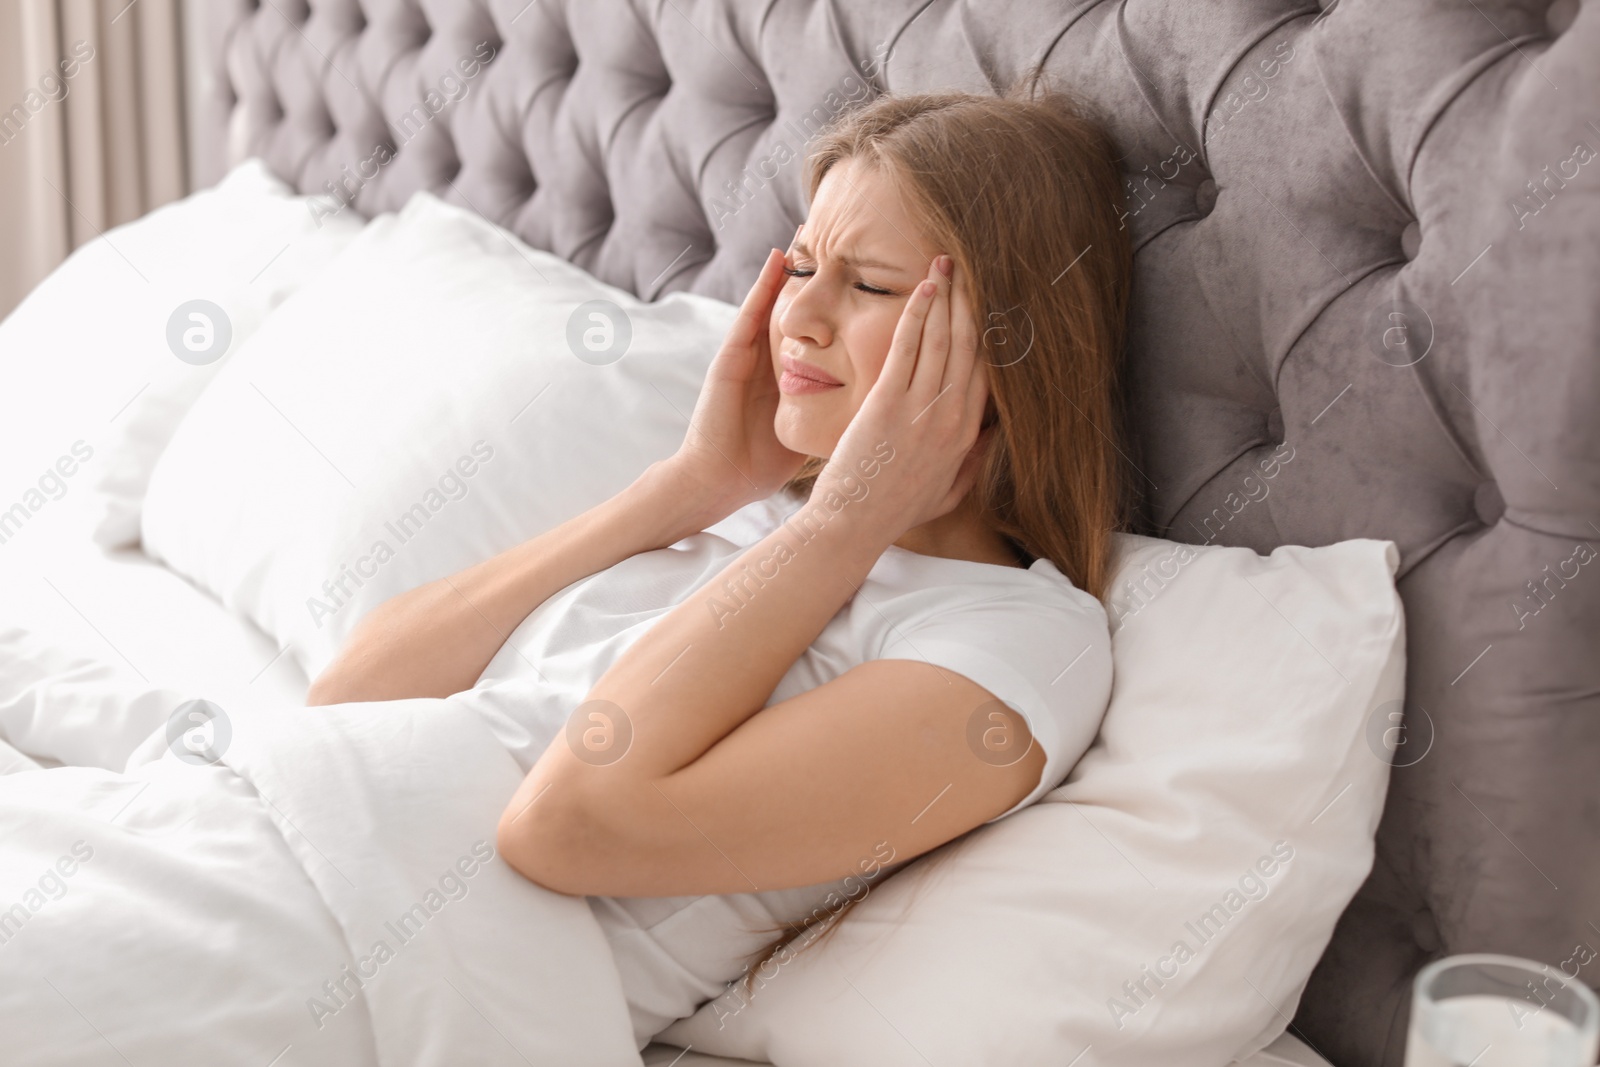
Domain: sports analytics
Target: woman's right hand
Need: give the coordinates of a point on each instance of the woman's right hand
(730, 454)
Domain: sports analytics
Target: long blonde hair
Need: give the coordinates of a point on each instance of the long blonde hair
(1023, 191)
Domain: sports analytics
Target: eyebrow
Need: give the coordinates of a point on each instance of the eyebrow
(801, 248)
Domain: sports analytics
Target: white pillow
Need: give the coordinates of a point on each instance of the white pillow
(86, 356)
(1232, 778)
(420, 408)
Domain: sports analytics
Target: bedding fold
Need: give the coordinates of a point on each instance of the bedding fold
(391, 809)
(315, 879)
(59, 707)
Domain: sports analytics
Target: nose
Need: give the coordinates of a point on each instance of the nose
(806, 315)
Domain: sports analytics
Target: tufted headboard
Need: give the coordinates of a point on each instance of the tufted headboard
(1368, 256)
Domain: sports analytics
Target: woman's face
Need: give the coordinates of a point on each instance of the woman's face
(851, 271)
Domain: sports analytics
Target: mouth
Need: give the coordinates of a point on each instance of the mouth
(800, 378)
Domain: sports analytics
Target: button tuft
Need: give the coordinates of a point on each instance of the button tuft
(1411, 240)
(1488, 503)
(1560, 16)
(1275, 426)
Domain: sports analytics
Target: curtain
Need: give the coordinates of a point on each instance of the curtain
(92, 132)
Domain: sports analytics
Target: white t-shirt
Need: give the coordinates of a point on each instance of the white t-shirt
(1028, 636)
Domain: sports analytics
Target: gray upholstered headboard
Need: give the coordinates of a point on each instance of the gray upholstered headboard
(1369, 231)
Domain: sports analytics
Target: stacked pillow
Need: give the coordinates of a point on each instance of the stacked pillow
(440, 394)
(103, 358)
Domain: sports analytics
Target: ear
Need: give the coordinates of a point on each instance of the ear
(986, 434)
(991, 417)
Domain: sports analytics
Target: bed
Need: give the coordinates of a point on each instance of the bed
(1356, 229)
(155, 619)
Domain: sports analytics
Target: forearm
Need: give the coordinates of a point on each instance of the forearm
(715, 659)
(437, 639)
(685, 685)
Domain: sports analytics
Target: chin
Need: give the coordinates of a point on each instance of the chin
(798, 431)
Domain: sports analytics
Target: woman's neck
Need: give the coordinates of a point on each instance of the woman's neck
(961, 534)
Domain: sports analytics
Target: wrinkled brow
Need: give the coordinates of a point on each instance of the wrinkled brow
(803, 249)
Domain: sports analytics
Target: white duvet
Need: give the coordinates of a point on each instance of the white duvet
(325, 893)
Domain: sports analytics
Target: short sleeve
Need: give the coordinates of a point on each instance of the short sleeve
(1045, 653)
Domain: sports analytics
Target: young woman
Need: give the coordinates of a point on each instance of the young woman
(904, 646)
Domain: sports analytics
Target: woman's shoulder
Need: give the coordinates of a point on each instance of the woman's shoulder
(1061, 591)
(918, 582)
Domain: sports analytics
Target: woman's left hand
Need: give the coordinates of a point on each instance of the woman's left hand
(915, 441)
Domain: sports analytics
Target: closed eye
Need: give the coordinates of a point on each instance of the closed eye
(796, 272)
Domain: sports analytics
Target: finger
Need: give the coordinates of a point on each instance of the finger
(751, 322)
(977, 385)
(977, 398)
(902, 358)
(963, 335)
(926, 379)
(965, 374)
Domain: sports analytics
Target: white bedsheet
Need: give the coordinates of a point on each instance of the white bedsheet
(160, 917)
(332, 863)
(137, 619)
(329, 887)
(336, 859)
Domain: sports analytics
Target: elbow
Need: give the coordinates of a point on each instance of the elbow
(364, 680)
(543, 842)
(329, 688)
(355, 674)
(322, 693)
(352, 677)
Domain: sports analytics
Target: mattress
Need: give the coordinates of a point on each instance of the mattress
(155, 627)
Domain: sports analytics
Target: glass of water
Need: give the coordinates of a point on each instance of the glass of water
(1500, 1011)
